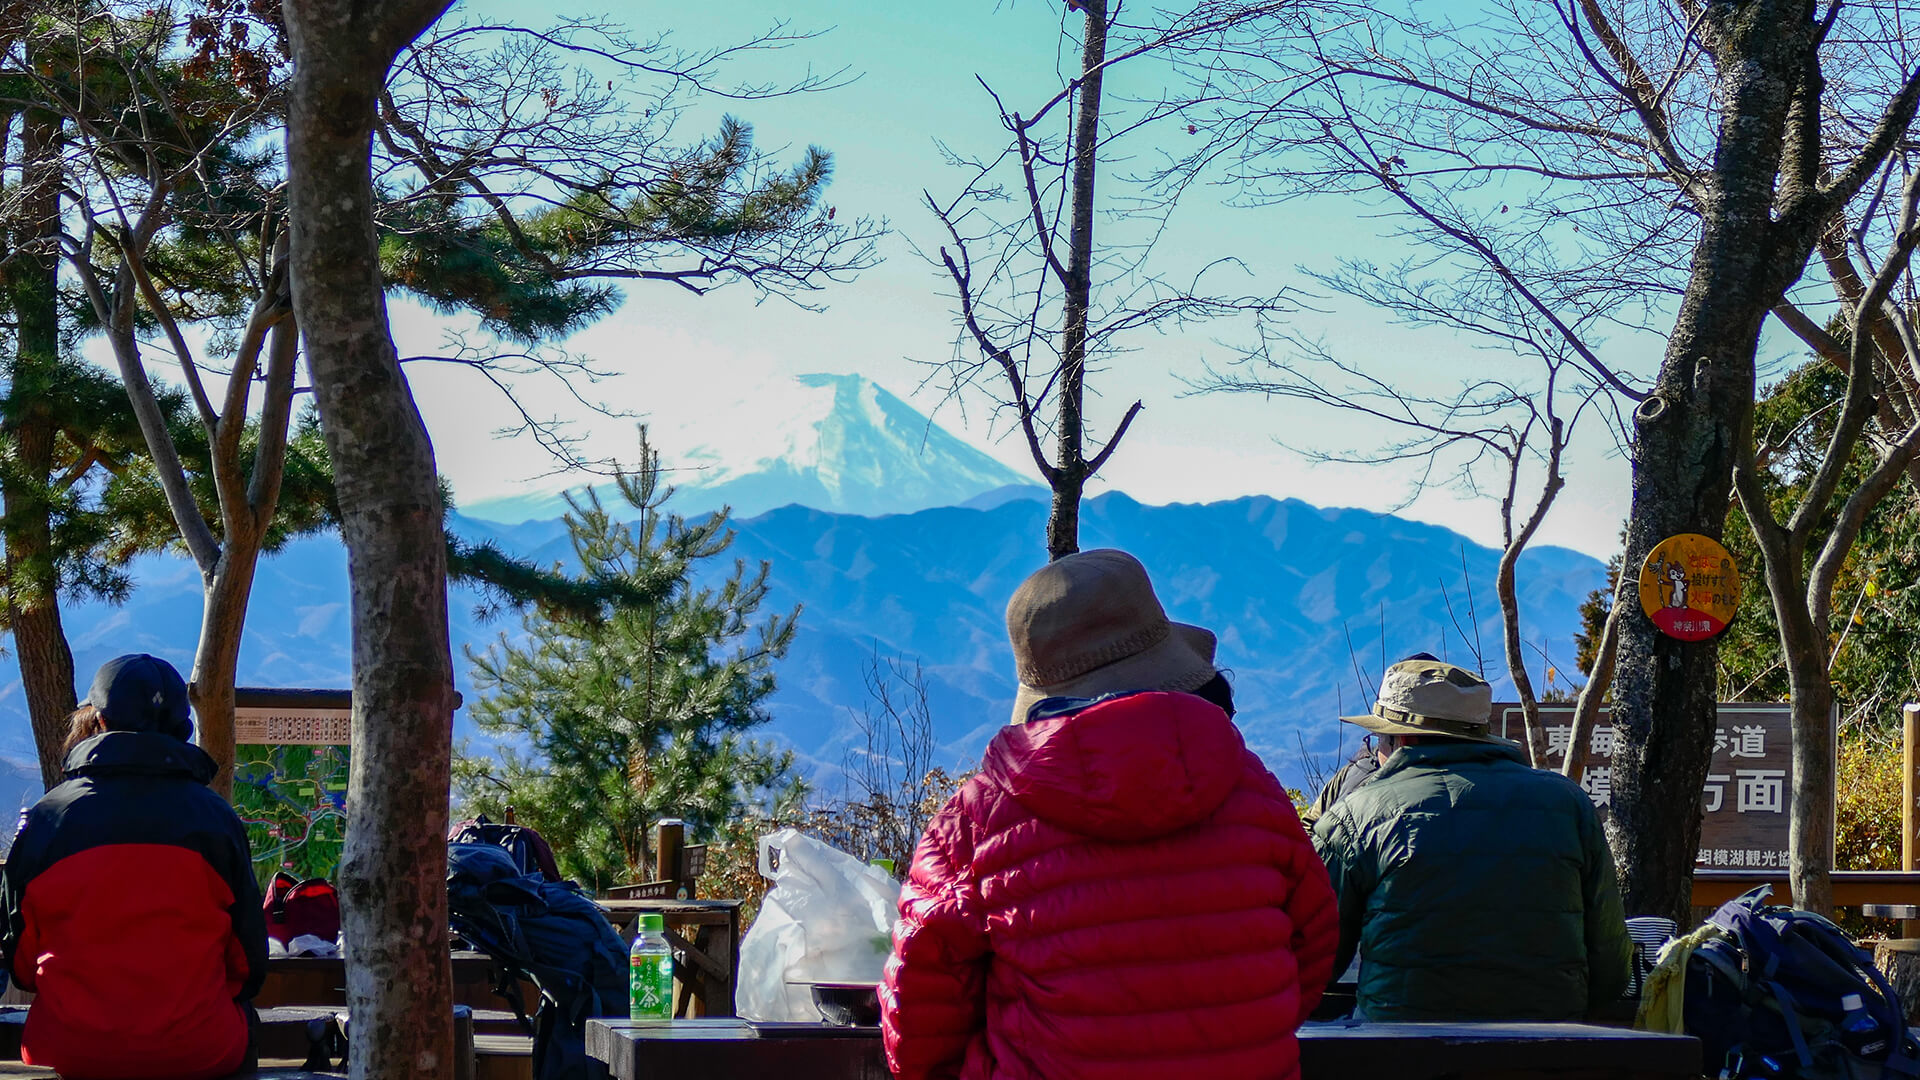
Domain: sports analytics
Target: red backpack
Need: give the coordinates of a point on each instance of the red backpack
(527, 848)
(296, 907)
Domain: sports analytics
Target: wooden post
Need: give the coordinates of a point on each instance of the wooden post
(669, 847)
(1910, 802)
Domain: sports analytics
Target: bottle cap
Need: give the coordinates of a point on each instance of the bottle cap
(653, 924)
(1850, 1001)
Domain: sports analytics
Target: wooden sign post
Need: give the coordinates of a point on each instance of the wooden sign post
(1910, 803)
(1746, 803)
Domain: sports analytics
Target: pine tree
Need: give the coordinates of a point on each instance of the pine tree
(605, 725)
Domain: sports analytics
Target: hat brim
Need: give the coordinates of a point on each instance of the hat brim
(1380, 725)
(1183, 660)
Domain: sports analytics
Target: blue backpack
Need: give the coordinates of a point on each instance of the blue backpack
(1787, 994)
(550, 933)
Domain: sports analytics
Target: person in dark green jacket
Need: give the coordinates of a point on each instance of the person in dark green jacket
(1473, 886)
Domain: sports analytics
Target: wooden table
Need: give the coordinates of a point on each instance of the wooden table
(322, 980)
(705, 936)
(1851, 888)
(737, 1050)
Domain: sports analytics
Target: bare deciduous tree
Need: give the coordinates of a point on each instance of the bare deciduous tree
(1042, 303)
(1665, 163)
(1803, 598)
(894, 787)
(1518, 427)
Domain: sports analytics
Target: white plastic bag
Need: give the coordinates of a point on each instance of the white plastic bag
(828, 918)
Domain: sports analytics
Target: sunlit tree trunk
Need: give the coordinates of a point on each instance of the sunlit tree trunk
(393, 869)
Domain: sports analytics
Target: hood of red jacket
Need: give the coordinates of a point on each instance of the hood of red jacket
(1124, 767)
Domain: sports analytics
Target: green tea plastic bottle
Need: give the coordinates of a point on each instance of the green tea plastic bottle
(650, 972)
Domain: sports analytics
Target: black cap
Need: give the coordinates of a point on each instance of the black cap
(139, 692)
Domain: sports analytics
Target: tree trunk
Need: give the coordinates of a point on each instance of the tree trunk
(32, 577)
(1687, 437)
(1664, 689)
(1504, 589)
(1063, 525)
(1810, 845)
(1063, 520)
(393, 869)
(1587, 710)
(216, 661)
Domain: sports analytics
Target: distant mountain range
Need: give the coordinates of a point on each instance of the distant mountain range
(1284, 584)
(918, 543)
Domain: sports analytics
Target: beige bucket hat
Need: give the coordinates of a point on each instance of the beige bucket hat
(1432, 697)
(1089, 624)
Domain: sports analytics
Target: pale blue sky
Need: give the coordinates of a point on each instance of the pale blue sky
(916, 66)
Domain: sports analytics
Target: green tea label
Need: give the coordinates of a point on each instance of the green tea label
(650, 983)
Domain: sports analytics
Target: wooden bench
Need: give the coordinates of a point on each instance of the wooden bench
(725, 1049)
(503, 1057)
(268, 1070)
(305, 1039)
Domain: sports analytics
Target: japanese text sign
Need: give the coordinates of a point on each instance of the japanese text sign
(1689, 587)
(266, 725)
(1744, 804)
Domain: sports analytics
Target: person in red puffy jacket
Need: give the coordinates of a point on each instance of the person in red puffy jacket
(1123, 889)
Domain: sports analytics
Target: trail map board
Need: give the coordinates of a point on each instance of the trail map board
(290, 780)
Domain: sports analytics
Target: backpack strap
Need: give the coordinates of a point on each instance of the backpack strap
(506, 984)
(1790, 1014)
(1903, 1056)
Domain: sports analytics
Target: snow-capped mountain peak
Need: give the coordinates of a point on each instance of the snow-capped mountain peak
(830, 442)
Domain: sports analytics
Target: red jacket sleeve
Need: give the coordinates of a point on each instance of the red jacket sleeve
(1316, 924)
(934, 1001)
(1310, 903)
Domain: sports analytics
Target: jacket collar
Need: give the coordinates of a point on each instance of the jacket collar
(1444, 755)
(139, 753)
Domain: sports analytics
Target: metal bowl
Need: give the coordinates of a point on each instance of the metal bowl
(849, 1004)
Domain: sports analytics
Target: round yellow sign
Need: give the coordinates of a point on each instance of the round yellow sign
(1689, 587)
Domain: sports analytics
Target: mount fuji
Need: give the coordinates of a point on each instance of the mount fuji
(839, 443)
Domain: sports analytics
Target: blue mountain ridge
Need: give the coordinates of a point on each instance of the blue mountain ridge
(1283, 583)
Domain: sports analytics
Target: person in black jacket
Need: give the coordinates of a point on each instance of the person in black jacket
(132, 909)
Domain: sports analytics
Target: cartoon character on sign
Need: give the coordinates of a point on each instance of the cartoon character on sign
(1676, 585)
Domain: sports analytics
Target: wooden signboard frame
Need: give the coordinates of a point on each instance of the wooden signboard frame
(1747, 804)
(292, 750)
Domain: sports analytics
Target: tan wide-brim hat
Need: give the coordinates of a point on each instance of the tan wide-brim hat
(1090, 624)
(1432, 697)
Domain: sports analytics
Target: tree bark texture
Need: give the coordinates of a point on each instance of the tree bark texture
(393, 869)
(1687, 433)
(216, 659)
(1506, 589)
(1586, 711)
(1899, 961)
(1534, 731)
(32, 575)
(1070, 480)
